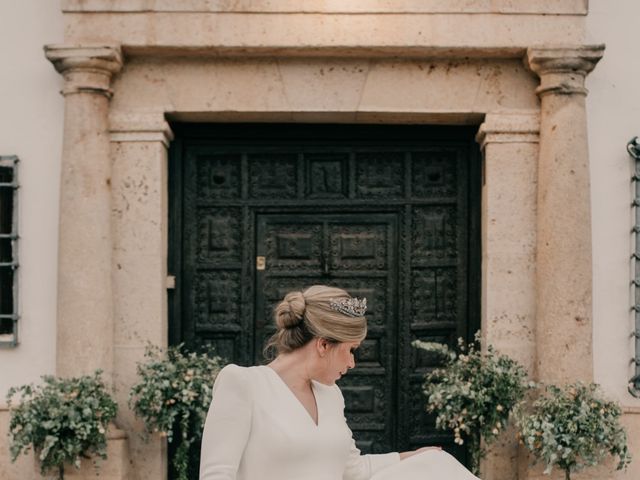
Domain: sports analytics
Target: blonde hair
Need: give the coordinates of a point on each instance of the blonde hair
(303, 316)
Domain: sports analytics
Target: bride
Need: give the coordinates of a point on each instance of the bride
(285, 420)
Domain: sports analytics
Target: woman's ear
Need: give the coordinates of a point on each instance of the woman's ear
(322, 346)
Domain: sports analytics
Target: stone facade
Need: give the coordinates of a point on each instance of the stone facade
(514, 69)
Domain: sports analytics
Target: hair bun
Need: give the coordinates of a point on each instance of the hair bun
(290, 311)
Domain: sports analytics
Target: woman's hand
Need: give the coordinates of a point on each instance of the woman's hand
(404, 455)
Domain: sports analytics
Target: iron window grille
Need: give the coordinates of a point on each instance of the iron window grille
(8, 251)
(633, 147)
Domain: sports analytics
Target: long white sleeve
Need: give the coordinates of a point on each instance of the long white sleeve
(227, 426)
(363, 467)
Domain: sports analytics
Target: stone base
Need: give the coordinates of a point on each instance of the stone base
(596, 473)
(501, 460)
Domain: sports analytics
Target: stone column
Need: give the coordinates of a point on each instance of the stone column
(85, 302)
(85, 320)
(509, 142)
(564, 272)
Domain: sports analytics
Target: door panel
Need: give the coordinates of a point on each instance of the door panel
(354, 252)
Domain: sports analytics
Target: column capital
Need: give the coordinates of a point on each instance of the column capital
(140, 127)
(509, 127)
(86, 68)
(562, 69)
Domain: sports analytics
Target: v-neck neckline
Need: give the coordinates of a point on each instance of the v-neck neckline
(297, 400)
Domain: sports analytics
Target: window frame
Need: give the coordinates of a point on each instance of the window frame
(11, 339)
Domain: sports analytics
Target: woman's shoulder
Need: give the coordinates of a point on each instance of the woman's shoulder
(234, 379)
(232, 369)
(233, 374)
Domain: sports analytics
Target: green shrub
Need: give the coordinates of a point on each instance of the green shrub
(61, 419)
(474, 393)
(573, 427)
(173, 395)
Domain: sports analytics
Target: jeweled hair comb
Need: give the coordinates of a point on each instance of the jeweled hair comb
(353, 307)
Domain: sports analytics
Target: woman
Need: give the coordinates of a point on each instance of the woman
(285, 420)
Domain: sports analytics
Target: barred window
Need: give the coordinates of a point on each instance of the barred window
(8, 250)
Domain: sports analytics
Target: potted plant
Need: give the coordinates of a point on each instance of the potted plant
(473, 394)
(573, 427)
(62, 419)
(173, 397)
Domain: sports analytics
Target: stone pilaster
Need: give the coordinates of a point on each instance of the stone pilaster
(564, 271)
(139, 142)
(509, 142)
(85, 303)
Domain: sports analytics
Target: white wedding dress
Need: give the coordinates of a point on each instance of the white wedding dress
(257, 429)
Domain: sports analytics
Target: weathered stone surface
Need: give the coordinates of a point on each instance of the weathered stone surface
(564, 270)
(86, 69)
(140, 127)
(139, 206)
(510, 144)
(294, 88)
(85, 303)
(139, 215)
(412, 35)
(562, 7)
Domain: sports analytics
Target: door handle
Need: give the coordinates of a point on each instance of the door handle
(325, 262)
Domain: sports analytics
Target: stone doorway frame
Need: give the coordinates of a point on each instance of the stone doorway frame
(113, 218)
